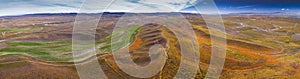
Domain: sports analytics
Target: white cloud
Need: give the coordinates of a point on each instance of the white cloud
(17, 7)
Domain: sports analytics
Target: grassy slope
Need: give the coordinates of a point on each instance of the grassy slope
(48, 51)
(20, 29)
(120, 38)
(60, 50)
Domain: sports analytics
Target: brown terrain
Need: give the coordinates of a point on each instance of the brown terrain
(244, 58)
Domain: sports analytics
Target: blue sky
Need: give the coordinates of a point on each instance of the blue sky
(256, 6)
(19, 7)
(237, 6)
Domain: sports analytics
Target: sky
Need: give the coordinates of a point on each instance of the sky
(20, 7)
(238, 6)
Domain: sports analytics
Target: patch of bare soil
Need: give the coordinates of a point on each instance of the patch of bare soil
(18, 67)
(2, 45)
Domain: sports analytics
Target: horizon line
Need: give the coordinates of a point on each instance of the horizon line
(135, 12)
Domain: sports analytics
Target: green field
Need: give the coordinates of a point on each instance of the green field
(62, 50)
(20, 29)
(120, 39)
(48, 51)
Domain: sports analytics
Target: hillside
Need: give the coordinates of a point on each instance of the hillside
(258, 46)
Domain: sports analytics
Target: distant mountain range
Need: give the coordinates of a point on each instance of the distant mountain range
(271, 13)
(74, 14)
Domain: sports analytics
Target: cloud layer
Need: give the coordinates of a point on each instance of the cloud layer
(19, 7)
